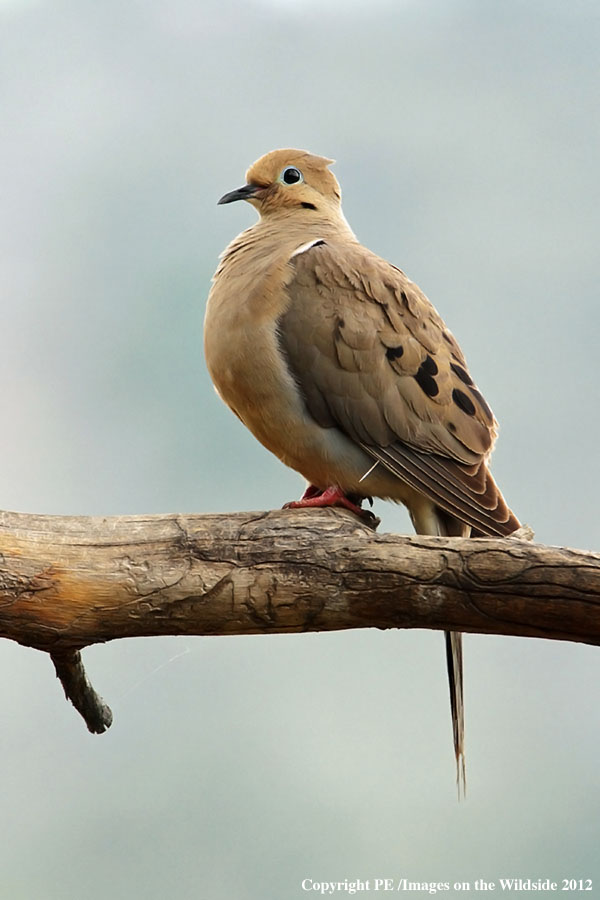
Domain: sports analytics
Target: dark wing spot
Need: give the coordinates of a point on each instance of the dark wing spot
(463, 402)
(451, 427)
(478, 396)
(306, 205)
(339, 324)
(386, 311)
(319, 244)
(456, 354)
(429, 366)
(427, 382)
(394, 352)
(462, 373)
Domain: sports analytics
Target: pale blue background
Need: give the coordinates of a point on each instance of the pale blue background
(466, 135)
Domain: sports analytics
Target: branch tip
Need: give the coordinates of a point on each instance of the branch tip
(524, 533)
(96, 714)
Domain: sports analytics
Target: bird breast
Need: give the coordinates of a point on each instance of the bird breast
(249, 370)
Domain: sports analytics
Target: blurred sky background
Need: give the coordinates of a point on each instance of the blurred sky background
(466, 135)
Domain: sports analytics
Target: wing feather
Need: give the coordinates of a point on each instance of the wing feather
(374, 359)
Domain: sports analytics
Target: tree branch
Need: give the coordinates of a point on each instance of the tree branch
(69, 669)
(66, 582)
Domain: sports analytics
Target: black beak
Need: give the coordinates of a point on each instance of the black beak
(243, 193)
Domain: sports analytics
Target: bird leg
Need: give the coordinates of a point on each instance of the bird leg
(311, 491)
(333, 496)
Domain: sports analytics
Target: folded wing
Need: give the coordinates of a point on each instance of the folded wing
(373, 358)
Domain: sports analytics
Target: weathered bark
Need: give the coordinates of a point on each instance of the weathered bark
(66, 582)
(69, 669)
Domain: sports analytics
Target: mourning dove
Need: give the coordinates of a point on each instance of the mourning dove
(342, 368)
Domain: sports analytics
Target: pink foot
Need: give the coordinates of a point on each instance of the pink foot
(332, 496)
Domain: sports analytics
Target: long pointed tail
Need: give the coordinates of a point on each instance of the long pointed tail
(433, 520)
(455, 681)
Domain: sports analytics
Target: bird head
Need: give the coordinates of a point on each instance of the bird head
(289, 180)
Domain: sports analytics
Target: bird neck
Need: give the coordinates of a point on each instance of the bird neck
(305, 224)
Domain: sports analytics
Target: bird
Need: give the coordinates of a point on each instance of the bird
(340, 366)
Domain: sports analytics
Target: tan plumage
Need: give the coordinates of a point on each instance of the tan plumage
(339, 364)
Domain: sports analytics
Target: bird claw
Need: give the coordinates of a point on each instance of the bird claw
(333, 496)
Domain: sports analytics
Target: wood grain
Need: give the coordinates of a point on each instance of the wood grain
(66, 582)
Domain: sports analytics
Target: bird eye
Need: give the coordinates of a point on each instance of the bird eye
(291, 175)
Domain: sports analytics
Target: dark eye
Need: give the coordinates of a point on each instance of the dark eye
(291, 175)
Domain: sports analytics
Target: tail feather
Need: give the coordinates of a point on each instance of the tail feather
(433, 520)
(454, 662)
